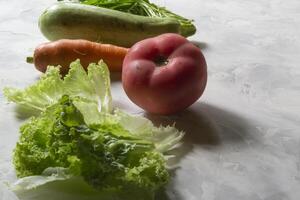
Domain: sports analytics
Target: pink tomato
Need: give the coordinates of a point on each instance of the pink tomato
(164, 74)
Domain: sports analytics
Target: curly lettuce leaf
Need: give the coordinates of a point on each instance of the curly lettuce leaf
(107, 156)
(75, 188)
(38, 96)
(49, 175)
(164, 138)
(93, 85)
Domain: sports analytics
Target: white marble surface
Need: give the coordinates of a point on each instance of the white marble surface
(243, 136)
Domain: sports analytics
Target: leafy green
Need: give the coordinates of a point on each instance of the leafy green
(73, 188)
(38, 96)
(78, 134)
(144, 8)
(93, 87)
(106, 155)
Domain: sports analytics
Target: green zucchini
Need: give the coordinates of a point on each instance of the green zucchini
(77, 21)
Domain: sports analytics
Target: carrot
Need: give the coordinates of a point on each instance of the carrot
(63, 52)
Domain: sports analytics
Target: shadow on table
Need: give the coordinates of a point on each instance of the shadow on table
(199, 130)
(201, 45)
(115, 76)
(206, 126)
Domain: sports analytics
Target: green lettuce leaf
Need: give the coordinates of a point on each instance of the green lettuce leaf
(164, 138)
(37, 97)
(106, 155)
(93, 86)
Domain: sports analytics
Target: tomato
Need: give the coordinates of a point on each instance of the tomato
(164, 74)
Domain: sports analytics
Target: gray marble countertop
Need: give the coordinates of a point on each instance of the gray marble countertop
(243, 135)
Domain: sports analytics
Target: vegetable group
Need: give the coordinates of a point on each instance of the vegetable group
(164, 74)
(79, 21)
(63, 52)
(74, 132)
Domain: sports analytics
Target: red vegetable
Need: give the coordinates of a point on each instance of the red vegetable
(63, 52)
(164, 74)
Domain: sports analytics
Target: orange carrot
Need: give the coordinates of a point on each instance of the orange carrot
(63, 52)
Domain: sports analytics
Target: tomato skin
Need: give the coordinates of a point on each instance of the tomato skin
(170, 87)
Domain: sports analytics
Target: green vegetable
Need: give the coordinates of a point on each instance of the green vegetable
(77, 134)
(94, 86)
(106, 155)
(145, 8)
(78, 21)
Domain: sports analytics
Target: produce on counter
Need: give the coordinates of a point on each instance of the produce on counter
(164, 74)
(66, 20)
(76, 133)
(145, 8)
(63, 52)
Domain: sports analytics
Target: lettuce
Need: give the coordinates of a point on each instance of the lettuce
(106, 155)
(93, 86)
(77, 135)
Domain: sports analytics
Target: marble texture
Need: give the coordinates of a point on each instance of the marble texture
(243, 135)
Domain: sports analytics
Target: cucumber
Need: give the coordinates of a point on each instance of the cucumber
(77, 21)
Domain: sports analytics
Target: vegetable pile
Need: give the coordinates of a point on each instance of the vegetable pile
(73, 132)
(77, 133)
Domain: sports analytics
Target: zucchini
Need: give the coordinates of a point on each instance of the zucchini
(77, 21)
